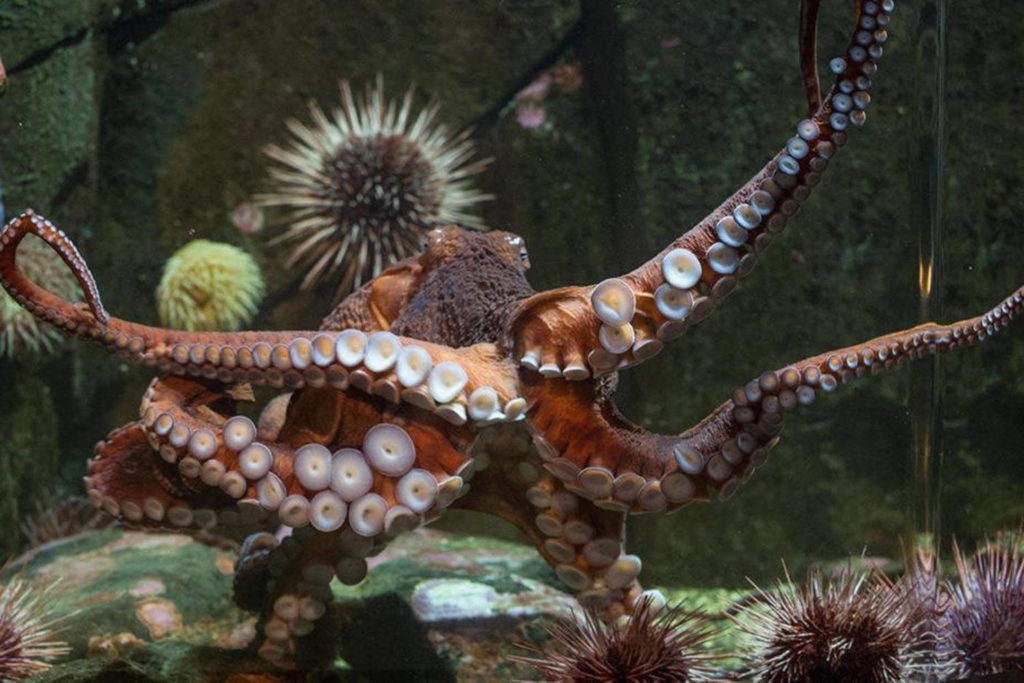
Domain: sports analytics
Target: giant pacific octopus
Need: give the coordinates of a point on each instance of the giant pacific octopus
(449, 369)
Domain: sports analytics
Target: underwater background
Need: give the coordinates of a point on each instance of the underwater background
(139, 126)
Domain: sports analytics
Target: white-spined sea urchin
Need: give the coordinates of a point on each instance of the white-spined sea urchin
(364, 185)
(27, 641)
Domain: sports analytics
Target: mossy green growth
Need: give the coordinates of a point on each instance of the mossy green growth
(713, 603)
(153, 586)
(163, 662)
(457, 603)
(413, 558)
(28, 454)
(28, 27)
(52, 107)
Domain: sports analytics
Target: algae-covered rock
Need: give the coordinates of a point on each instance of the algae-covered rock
(456, 604)
(157, 607)
(143, 607)
(152, 586)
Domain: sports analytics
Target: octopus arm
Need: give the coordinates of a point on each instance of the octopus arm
(473, 383)
(583, 544)
(599, 455)
(578, 332)
(737, 436)
(190, 462)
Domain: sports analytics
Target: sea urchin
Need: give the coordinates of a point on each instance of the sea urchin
(852, 627)
(657, 644)
(984, 624)
(26, 632)
(363, 186)
(209, 286)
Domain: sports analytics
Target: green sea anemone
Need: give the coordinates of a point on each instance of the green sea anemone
(20, 331)
(363, 186)
(209, 286)
(27, 631)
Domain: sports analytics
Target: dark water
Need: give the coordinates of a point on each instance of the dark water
(142, 131)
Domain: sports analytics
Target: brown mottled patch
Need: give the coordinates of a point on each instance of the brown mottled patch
(114, 646)
(239, 636)
(225, 564)
(160, 616)
(100, 598)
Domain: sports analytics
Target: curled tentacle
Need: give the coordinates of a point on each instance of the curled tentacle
(623, 321)
(190, 461)
(474, 383)
(129, 481)
(42, 303)
(739, 433)
(288, 583)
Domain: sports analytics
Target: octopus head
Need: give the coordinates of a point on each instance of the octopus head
(450, 244)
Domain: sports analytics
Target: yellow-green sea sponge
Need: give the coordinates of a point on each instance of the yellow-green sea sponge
(20, 331)
(209, 286)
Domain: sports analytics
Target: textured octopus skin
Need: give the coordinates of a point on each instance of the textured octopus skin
(466, 374)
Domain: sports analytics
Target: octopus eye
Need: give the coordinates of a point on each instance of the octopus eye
(524, 257)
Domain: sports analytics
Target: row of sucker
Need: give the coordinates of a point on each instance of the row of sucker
(634, 325)
(593, 565)
(298, 603)
(756, 409)
(324, 489)
(378, 363)
(692, 284)
(164, 508)
(626, 491)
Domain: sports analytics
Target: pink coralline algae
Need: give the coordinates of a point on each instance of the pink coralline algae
(247, 217)
(530, 116)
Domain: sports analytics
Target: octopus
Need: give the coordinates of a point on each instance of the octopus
(448, 382)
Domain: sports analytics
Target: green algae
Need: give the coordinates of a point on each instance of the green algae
(28, 454)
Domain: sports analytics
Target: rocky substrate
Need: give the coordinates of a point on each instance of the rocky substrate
(435, 606)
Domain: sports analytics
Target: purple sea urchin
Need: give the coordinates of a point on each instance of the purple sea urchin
(27, 641)
(60, 517)
(362, 187)
(984, 624)
(852, 627)
(926, 595)
(656, 644)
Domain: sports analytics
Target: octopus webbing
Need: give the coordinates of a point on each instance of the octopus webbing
(448, 382)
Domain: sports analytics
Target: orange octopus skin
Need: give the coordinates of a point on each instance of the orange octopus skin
(466, 374)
